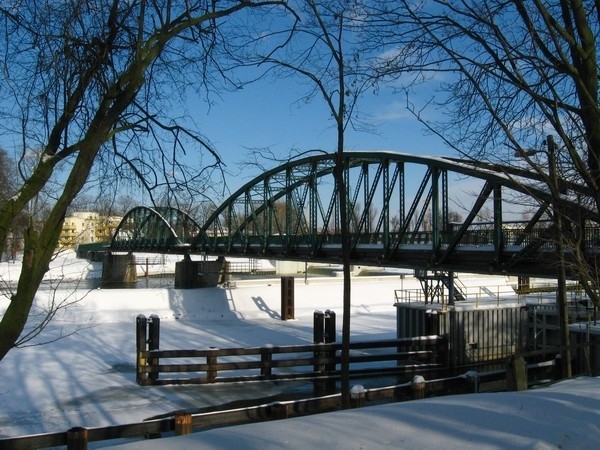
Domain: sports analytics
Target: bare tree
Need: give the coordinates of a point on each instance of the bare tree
(93, 84)
(512, 72)
(454, 217)
(320, 48)
(8, 183)
(516, 75)
(515, 72)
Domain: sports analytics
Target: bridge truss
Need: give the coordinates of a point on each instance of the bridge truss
(404, 211)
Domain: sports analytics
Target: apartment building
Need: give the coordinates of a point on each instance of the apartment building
(87, 227)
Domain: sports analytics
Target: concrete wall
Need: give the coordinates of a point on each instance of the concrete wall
(197, 274)
(118, 269)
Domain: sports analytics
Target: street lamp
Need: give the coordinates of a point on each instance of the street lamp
(561, 292)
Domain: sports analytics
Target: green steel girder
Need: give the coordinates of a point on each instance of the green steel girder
(459, 234)
(155, 229)
(411, 212)
(292, 212)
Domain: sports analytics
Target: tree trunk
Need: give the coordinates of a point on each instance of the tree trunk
(37, 254)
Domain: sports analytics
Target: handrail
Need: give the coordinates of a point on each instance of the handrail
(472, 294)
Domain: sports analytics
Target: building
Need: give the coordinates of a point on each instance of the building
(87, 227)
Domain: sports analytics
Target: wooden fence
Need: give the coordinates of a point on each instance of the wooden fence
(317, 362)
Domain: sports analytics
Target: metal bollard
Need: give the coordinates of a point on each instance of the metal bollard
(153, 342)
(318, 327)
(141, 342)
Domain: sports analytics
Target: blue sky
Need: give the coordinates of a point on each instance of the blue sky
(268, 114)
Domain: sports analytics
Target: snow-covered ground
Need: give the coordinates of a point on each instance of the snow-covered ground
(88, 378)
(564, 416)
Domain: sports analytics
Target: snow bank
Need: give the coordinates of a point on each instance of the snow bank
(564, 416)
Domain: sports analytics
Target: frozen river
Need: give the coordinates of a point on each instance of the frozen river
(87, 378)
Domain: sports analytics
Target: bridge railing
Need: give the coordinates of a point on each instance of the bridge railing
(477, 295)
(476, 235)
(592, 237)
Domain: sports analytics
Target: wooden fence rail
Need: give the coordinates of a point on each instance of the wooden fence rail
(288, 362)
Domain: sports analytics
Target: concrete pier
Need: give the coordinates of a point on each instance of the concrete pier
(118, 269)
(198, 274)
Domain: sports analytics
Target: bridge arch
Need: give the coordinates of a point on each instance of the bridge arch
(404, 211)
(154, 230)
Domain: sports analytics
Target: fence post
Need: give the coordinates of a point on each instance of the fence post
(357, 396)
(77, 438)
(278, 410)
(183, 423)
(153, 342)
(516, 374)
(140, 342)
(418, 387)
(318, 338)
(472, 376)
(558, 374)
(266, 357)
(330, 338)
(211, 360)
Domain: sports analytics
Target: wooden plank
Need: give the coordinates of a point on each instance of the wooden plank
(422, 348)
(150, 427)
(295, 376)
(34, 441)
(94, 434)
(281, 363)
(421, 340)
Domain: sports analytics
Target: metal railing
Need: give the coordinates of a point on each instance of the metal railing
(472, 294)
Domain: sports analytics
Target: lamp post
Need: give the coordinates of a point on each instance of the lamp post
(561, 291)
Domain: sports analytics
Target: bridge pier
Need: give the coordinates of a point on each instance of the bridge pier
(198, 274)
(118, 269)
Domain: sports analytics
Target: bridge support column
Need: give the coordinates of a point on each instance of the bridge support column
(287, 298)
(197, 274)
(451, 288)
(118, 269)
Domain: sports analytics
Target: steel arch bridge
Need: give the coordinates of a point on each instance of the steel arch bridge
(404, 210)
(155, 230)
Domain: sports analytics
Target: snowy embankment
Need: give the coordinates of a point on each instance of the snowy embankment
(563, 416)
(88, 378)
